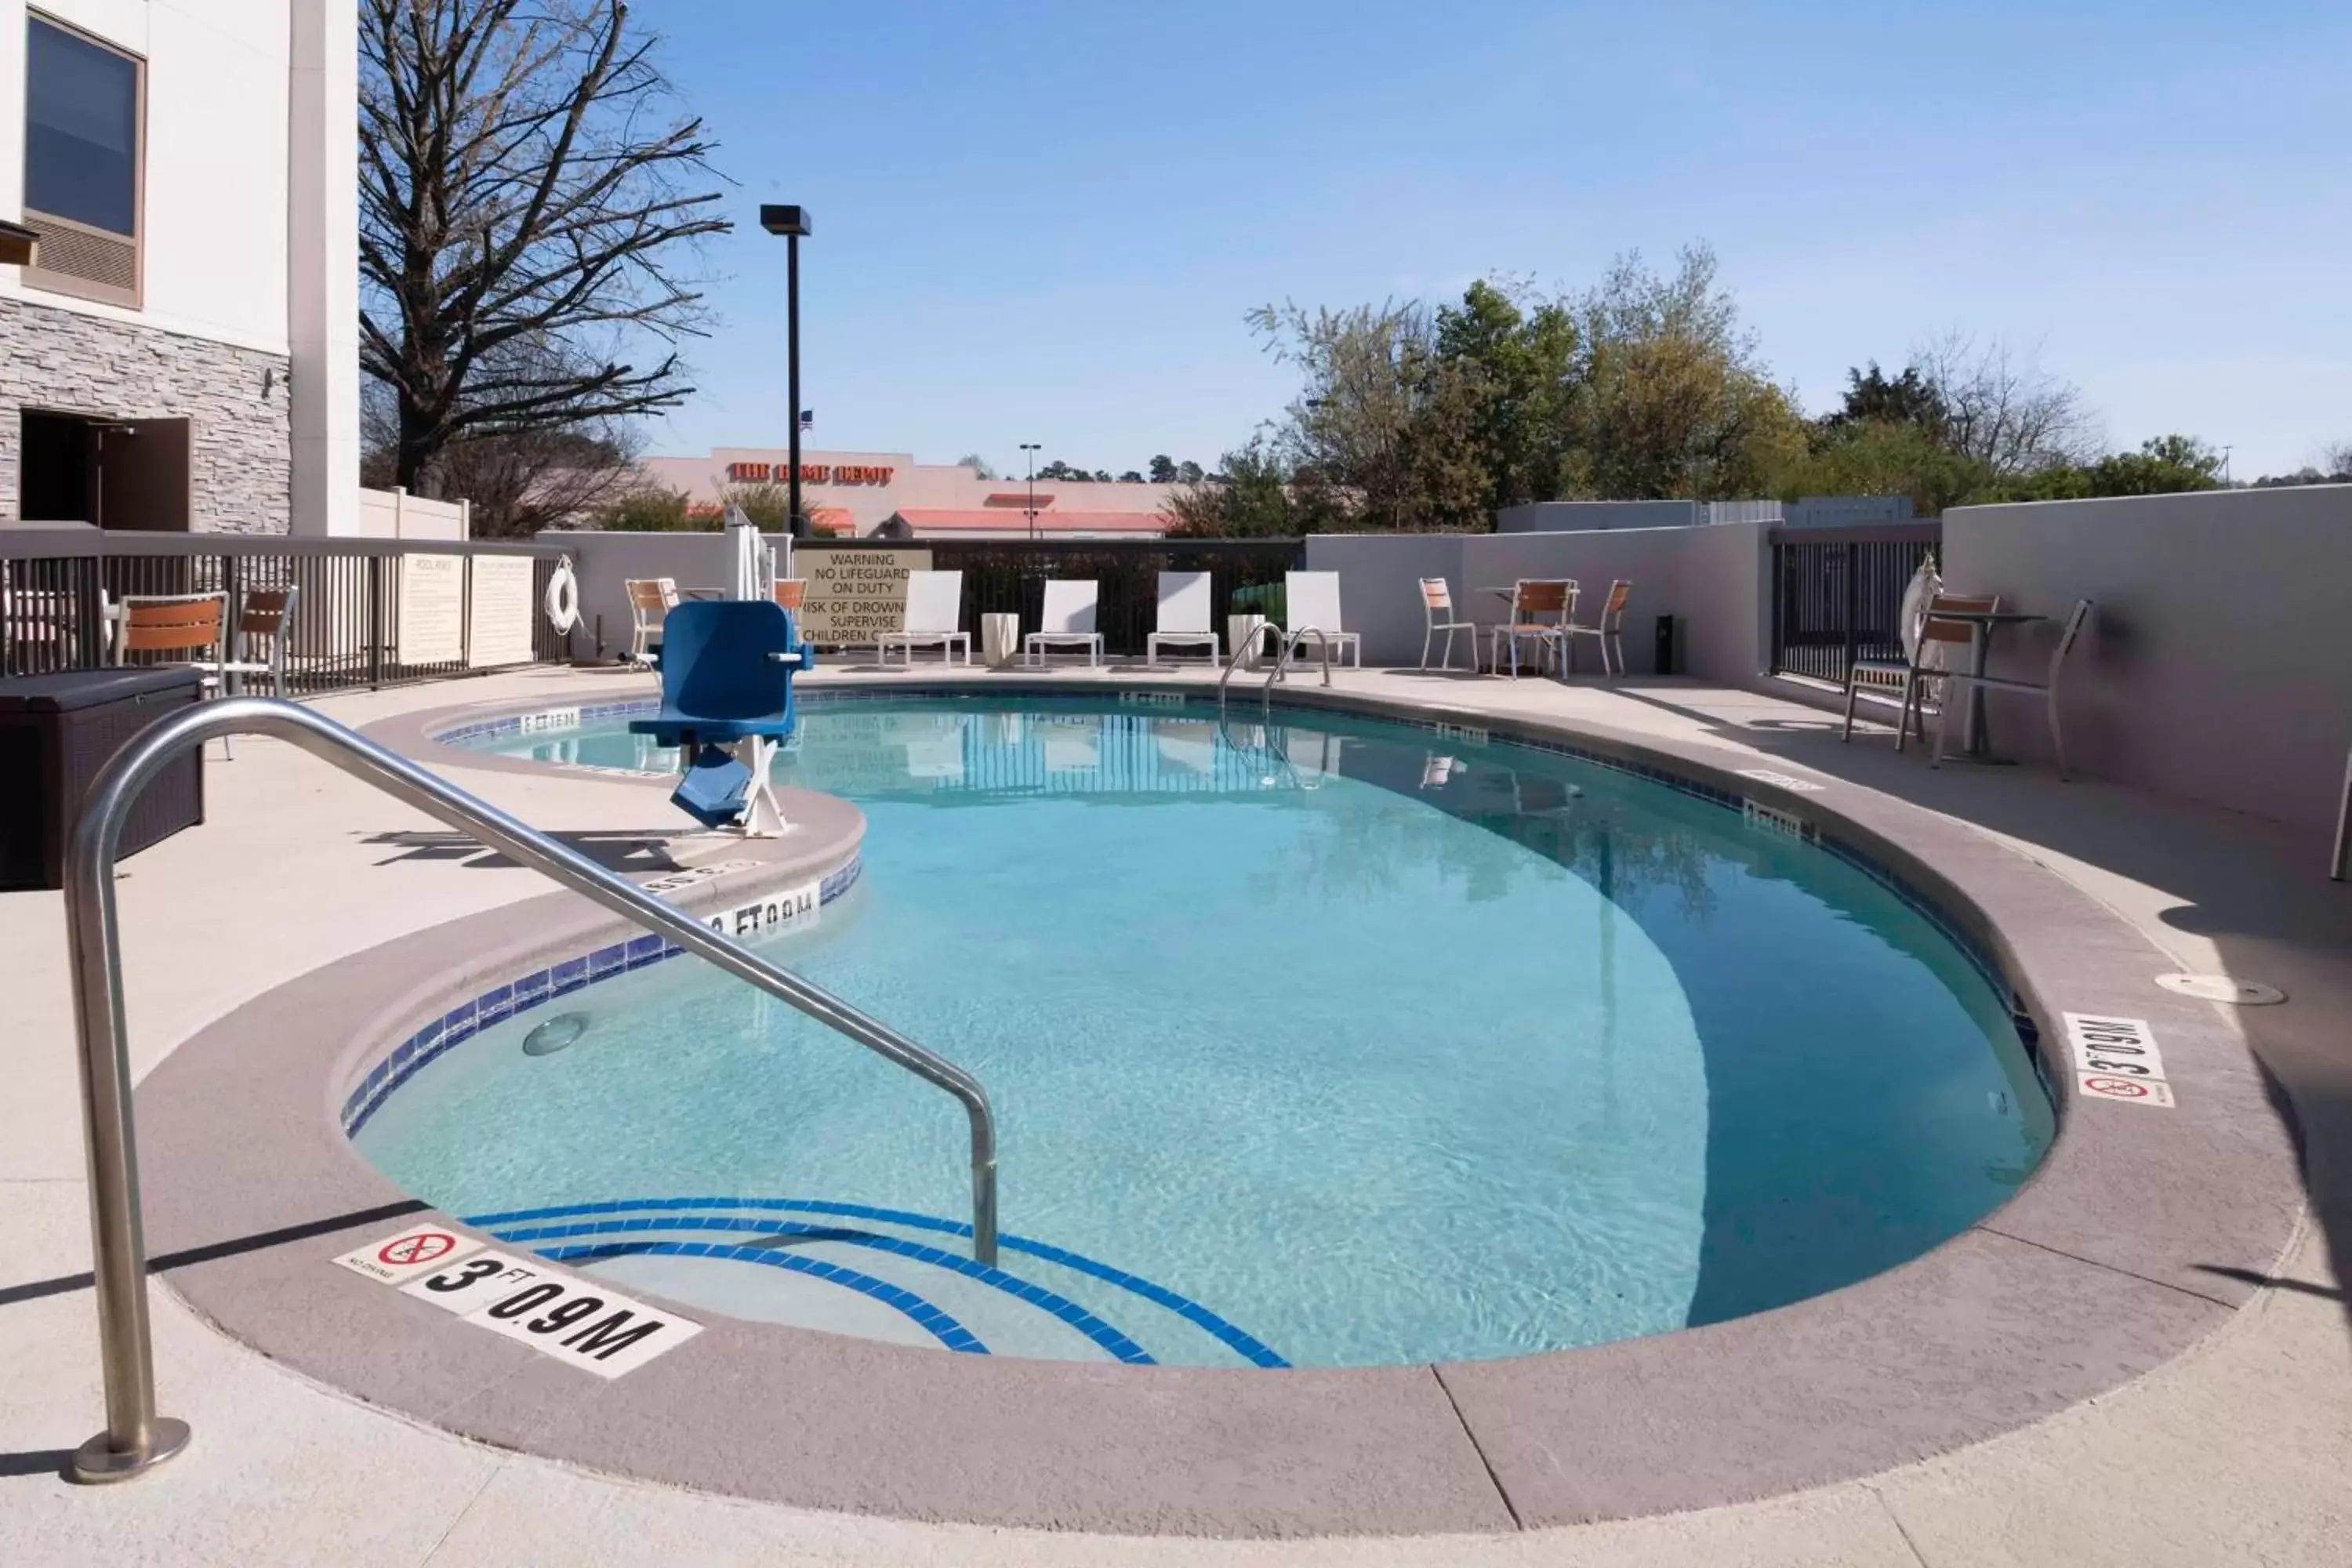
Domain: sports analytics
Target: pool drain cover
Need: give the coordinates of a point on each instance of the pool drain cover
(2222, 988)
(555, 1034)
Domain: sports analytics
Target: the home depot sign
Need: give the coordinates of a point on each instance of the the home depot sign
(811, 473)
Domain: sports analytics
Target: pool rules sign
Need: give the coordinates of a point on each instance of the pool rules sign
(567, 1319)
(855, 596)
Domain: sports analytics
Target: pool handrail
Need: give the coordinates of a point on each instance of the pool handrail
(1290, 641)
(136, 1438)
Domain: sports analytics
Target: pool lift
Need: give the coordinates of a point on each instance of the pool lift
(727, 670)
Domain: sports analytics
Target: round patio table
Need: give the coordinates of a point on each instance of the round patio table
(1987, 623)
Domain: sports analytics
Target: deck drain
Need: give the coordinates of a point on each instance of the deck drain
(555, 1034)
(2222, 988)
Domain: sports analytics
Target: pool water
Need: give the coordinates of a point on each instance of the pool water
(1333, 1043)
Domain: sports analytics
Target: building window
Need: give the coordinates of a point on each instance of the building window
(84, 113)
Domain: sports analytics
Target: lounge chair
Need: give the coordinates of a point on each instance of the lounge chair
(1609, 631)
(1068, 621)
(727, 671)
(1312, 599)
(1960, 682)
(1438, 614)
(1187, 616)
(934, 614)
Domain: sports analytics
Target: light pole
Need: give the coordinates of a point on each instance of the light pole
(1031, 447)
(793, 223)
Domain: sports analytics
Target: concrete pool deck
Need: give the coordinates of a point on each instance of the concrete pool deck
(2234, 1451)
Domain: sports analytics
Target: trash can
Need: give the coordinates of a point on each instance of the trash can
(56, 732)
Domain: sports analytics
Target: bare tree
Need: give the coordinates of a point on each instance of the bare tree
(2337, 458)
(523, 214)
(2014, 419)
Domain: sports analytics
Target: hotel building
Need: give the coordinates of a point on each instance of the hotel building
(179, 272)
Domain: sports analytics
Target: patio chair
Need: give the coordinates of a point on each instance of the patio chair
(1532, 598)
(934, 612)
(1187, 616)
(1922, 667)
(1609, 631)
(727, 671)
(1960, 682)
(1068, 621)
(792, 593)
(1312, 599)
(192, 626)
(1438, 614)
(651, 599)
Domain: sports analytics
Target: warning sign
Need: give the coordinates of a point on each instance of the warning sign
(855, 596)
(397, 1260)
(2130, 1090)
(2116, 1059)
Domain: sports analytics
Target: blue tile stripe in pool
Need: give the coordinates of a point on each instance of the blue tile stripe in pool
(937, 1323)
(1108, 1338)
(1248, 1346)
(521, 994)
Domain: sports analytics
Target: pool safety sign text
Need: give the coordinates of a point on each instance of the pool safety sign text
(1785, 781)
(568, 1319)
(2116, 1059)
(791, 910)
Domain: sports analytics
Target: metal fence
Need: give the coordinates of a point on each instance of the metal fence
(1837, 594)
(55, 588)
(1008, 576)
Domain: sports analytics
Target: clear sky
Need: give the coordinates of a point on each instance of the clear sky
(1043, 221)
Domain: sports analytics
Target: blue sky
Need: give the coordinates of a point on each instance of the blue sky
(1044, 221)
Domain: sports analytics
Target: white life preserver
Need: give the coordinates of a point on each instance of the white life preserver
(564, 599)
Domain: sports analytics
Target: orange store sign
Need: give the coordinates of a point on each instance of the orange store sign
(811, 473)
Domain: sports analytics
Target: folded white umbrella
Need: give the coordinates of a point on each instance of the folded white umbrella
(750, 555)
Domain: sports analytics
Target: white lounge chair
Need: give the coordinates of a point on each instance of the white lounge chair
(934, 612)
(1068, 621)
(1312, 599)
(1187, 616)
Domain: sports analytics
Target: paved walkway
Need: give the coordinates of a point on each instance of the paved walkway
(2240, 1452)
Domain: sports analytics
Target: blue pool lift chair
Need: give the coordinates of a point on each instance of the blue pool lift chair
(727, 670)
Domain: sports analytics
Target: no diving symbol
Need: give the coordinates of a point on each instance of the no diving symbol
(2121, 1088)
(424, 1247)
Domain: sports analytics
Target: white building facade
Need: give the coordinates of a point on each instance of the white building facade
(182, 352)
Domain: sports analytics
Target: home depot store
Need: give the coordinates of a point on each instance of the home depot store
(888, 495)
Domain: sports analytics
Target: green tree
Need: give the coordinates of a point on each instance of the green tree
(977, 464)
(1672, 400)
(1256, 493)
(1163, 469)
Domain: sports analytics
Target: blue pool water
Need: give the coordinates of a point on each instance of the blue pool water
(1367, 1045)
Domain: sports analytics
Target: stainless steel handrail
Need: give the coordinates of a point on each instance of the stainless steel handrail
(136, 1437)
(1243, 648)
(1282, 666)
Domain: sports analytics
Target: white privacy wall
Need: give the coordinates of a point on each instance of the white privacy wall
(1709, 578)
(2217, 666)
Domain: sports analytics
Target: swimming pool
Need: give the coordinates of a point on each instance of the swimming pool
(1333, 1043)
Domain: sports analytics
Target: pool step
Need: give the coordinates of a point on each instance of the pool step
(882, 1274)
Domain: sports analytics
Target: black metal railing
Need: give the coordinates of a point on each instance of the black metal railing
(1008, 576)
(348, 617)
(1837, 594)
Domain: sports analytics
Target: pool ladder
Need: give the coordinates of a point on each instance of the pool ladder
(136, 1438)
(1290, 641)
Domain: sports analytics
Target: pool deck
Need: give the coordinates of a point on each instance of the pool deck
(2238, 1450)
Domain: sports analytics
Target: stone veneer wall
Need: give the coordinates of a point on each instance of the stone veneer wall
(235, 399)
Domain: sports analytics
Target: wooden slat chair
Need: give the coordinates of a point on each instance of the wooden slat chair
(1438, 614)
(192, 625)
(1532, 598)
(1609, 631)
(264, 612)
(1911, 677)
(651, 599)
(1960, 682)
(791, 593)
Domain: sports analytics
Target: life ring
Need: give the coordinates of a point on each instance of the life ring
(564, 599)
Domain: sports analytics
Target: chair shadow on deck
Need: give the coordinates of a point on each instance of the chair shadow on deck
(615, 850)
